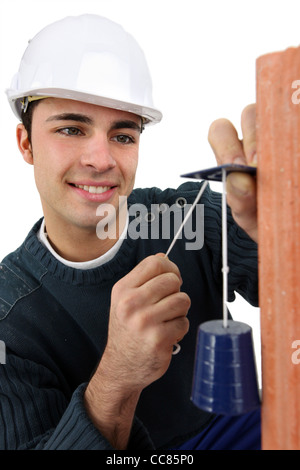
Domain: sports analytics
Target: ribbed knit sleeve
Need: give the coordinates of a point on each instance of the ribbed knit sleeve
(34, 413)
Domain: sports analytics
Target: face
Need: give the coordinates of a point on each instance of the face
(84, 156)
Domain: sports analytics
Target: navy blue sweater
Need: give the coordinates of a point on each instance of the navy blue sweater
(54, 319)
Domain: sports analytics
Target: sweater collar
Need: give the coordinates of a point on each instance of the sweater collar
(119, 263)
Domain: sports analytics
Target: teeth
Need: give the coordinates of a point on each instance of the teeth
(93, 189)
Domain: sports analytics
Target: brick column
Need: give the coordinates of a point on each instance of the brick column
(278, 179)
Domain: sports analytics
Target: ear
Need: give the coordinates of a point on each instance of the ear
(24, 144)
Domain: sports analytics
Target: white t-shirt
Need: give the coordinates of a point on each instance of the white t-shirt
(94, 263)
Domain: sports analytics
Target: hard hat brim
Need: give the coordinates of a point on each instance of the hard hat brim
(149, 115)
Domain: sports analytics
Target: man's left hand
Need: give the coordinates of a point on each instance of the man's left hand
(241, 187)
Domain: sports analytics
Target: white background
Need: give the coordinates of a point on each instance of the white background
(202, 58)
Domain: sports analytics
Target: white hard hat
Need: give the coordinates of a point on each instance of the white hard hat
(86, 58)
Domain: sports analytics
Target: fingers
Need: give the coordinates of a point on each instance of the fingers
(160, 287)
(227, 146)
(225, 143)
(248, 124)
(155, 278)
(158, 300)
(149, 268)
(241, 197)
(167, 309)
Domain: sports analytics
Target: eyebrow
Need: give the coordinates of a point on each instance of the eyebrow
(126, 124)
(71, 117)
(122, 124)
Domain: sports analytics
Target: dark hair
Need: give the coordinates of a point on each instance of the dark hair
(26, 118)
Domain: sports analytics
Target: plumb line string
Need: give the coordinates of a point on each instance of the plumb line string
(177, 346)
(225, 268)
(186, 217)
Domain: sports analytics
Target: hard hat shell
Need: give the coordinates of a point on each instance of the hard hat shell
(86, 58)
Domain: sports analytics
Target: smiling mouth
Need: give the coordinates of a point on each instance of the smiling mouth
(93, 189)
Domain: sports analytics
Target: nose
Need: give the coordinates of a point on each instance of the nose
(97, 154)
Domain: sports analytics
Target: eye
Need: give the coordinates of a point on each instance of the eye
(70, 131)
(124, 139)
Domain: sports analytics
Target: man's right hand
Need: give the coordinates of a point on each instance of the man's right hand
(148, 316)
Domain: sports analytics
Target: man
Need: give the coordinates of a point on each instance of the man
(90, 313)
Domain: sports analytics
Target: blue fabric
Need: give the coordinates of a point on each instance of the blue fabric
(229, 433)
